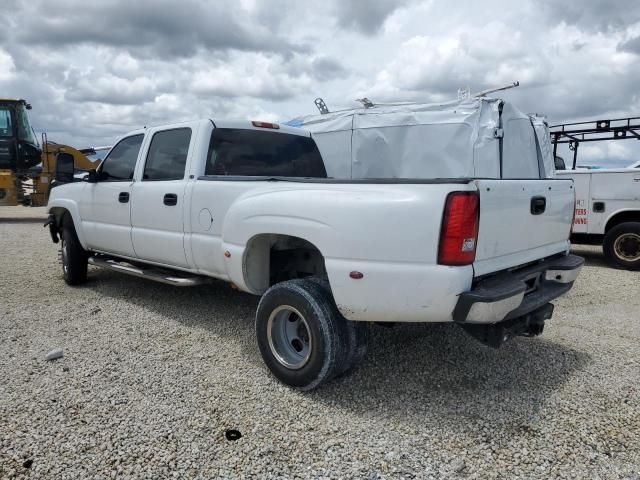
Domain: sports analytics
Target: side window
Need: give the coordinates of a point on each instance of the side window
(120, 163)
(5, 123)
(245, 152)
(167, 155)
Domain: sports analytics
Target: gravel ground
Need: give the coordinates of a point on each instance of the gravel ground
(22, 214)
(152, 377)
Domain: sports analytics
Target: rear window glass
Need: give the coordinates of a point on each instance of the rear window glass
(245, 152)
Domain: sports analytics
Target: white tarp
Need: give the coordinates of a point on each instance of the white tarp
(544, 142)
(451, 140)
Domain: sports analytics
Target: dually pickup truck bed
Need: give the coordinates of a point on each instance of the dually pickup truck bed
(330, 248)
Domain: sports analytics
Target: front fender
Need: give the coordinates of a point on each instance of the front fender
(58, 206)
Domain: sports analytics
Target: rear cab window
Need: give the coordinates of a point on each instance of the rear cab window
(255, 153)
(167, 155)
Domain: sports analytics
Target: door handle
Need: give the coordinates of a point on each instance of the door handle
(170, 199)
(538, 205)
(123, 197)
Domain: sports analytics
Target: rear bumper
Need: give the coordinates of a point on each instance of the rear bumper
(517, 293)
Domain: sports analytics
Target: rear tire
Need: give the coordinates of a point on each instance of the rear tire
(74, 257)
(300, 334)
(621, 246)
(357, 334)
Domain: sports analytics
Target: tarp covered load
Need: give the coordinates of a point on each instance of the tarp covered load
(452, 140)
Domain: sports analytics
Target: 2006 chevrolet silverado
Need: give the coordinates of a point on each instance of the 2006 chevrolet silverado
(416, 213)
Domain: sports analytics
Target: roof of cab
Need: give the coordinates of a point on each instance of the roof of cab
(251, 125)
(238, 124)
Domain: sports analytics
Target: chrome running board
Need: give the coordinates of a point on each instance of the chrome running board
(151, 273)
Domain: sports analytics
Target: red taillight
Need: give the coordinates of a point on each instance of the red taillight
(459, 232)
(265, 125)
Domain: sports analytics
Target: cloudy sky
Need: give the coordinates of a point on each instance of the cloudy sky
(95, 69)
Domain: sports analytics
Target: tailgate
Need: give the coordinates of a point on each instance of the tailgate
(522, 221)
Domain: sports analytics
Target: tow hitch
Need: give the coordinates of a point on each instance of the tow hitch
(494, 335)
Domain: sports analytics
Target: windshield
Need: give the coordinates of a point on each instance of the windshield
(25, 132)
(5, 122)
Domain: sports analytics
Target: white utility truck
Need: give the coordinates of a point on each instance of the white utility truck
(607, 208)
(416, 214)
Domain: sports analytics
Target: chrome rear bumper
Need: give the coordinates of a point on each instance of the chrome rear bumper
(514, 294)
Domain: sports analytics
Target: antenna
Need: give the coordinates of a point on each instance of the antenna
(492, 90)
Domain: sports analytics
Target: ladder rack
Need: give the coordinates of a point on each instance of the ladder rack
(593, 131)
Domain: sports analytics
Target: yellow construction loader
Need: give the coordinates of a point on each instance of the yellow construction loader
(26, 167)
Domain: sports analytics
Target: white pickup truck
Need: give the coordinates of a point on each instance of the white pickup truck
(608, 212)
(329, 247)
(607, 199)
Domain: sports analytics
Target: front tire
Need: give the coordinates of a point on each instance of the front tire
(299, 334)
(621, 246)
(74, 258)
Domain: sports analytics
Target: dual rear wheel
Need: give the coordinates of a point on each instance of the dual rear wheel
(303, 338)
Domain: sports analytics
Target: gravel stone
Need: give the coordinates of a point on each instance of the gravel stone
(54, 354)
(160, 373)
(458, 466)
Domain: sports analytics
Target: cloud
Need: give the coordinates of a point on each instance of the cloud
(632, 45)
(113, 90)
(611, 154)
(594, 15)
(259, 78)
(7, 67)
(94, 70)
(325, 68)
(366, 16)
(167, 29)
(432, 68)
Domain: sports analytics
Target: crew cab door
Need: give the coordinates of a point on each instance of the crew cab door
(158, 199)
(105, 206)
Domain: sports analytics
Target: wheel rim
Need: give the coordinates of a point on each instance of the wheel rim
(289, 337)
(65, 255)
(627, 247)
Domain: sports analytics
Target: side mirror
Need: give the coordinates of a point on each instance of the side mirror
(65, 168)
(559, 163)
(91, 176)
